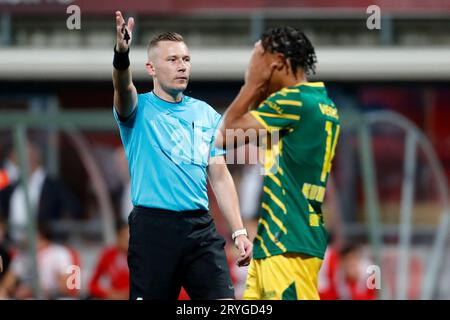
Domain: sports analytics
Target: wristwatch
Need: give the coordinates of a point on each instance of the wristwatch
(238, 232)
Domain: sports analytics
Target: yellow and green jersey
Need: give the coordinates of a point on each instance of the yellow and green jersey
(296, 170)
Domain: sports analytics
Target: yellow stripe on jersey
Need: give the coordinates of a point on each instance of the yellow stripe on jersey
(280, 146)
(330, 149)
(263, 246)
(275, 199)
(274, 218)
(260, 120)
(289, 103)
(280, 170)
(311, 84)
(313, 192)
(336, 135)
(305, 190)
(329, 131)
(275, 179)
(285, 91)
(264, 124)
(271, 236)
(271, 155)
(290, 90)
(314, 220)
(320, 194)
(279, 116)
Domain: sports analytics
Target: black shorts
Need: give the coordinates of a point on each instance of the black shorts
(169, 250)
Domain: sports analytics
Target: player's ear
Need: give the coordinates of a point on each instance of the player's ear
(280, 62)
(150, 68)
(288, 65)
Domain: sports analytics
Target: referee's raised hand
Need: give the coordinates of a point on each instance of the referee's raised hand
(124, 32)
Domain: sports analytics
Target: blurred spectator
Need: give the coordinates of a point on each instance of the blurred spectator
(343, 275)
(49, 197)
(9, 175)
(53, 262)
(251, 183)
(111, 276)
(250, 191)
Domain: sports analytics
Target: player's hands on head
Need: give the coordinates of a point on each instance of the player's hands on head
(124, 32)
(245, 247)
(260, 68)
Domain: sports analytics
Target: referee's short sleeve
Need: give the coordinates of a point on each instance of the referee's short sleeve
(128, 127)
(125, 122)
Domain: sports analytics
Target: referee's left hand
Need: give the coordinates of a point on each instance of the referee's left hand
(245, 247)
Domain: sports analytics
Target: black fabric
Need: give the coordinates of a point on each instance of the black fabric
(5, 195)
(6, 258)
(121, 60)
(169, 250)
(127, 121)
(55, 200)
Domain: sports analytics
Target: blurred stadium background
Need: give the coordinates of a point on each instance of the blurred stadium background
(388, 195)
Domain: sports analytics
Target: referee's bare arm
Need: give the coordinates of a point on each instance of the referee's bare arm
(227, 199)
(125, 94)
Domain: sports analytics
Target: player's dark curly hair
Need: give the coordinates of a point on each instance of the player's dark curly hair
(294, 45)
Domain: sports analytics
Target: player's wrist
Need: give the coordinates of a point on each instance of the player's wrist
(250, 86)
(121, 48)
(239, 232)
(254, 90)
(121, 59)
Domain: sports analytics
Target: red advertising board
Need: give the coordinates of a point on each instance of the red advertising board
(198, 6)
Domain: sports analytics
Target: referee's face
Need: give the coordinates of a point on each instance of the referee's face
(170, 65)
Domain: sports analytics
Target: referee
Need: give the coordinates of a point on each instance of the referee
(169, 143)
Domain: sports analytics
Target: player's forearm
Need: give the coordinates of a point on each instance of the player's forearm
(122, 80)
(227, 199)
(237, 116)
(247, 99)
(125, 94)
(123, 84)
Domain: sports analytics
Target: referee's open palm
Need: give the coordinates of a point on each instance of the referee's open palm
(124, 32)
